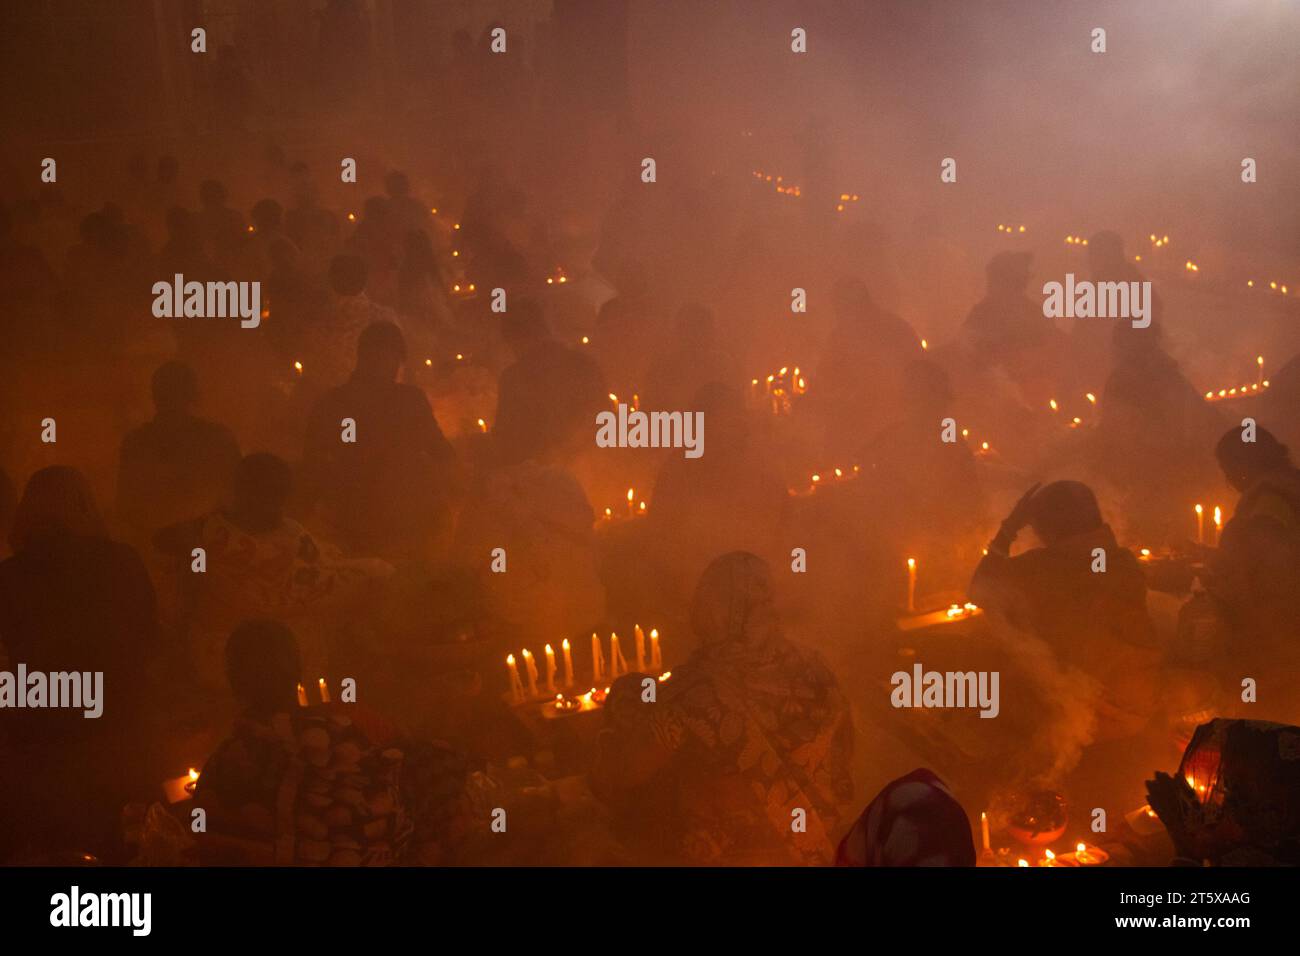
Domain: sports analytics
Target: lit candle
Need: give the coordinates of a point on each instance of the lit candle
(1049, 859)
(911, 584)
(597, 659)
(530, 665)
(302, 696)
(631, 508)
(1200, 525)
(516, 688)
(984, 830)
(640, 647)
(1259, 363)
(324, 691)
(617, 665)
(568, 663)
(656, 662)
(1218, 524)
(550, 669)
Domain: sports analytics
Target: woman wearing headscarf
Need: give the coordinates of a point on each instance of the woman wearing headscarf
(261, 563)
(742, 758)
(332, 785)
(914, 821)
(72, 600)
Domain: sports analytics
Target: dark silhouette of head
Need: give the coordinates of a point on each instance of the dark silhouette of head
(396, 184)
(381, 350)
(1062, 510)
(1245, 462)
(268, 216)
(523, 325)
(56, 501)
(263, 667)
(1008, 272)
(175, 389)
(348, 274)
(212, 194)
(263, 483)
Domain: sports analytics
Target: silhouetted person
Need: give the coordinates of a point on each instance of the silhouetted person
(1255, 573)
(1094, 620)
(1091, 351)
(178, 465)
(73, 600)
(220, 228)
(549, 391)
(388, 492)
(329, 345)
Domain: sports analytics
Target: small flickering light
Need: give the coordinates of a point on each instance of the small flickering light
(1250, 283)
(1092, 399)
(1192, 266)
(433, 211)
(460, 356)
(352, 217)
(428, 363)
(455, 253)
(586, 341)
(1022, 229)
(482, 426)
(984, 446)
(1052, 404)
(252, 229)
(297, 367)
(1137, 258)
(456, 226)
(1022, 862)
(924, 345)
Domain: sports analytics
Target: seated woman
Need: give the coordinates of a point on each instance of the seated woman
(260, 563)
(743, 757)
(1093, 620)
(73, 600)
(328, 785)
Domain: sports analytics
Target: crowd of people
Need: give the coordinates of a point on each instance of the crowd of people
(300, 552)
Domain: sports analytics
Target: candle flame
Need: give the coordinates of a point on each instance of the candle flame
(565, 644)
(194, 775)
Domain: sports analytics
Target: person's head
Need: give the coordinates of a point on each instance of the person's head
(396, 184)
(1105, 251)
(913, 821)
(733, 601)
(1062, 510)
(175, 389)
(263, 667)
(268, 216)
(381, 350)
(1245, 462)
(695, 325)
(56, 501)
(523, 325)
(212, 194)
(850, 297)
(263, 484)
(1008, 271)
(926, 389)
(348, 274)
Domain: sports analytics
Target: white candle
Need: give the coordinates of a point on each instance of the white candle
(302, 696)
(911, 584)
(324, 691)
(516, 687)
(984, 829)
(530, 666)
(1200, 525)
(1218, 524)
(617, 665)
(656, 662)
(597, 659)
(640, 647)
(550, 670)
(568, 663)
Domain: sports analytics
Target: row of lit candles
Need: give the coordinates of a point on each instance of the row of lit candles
(603, 669)
(633, 507)
(1083, 855)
